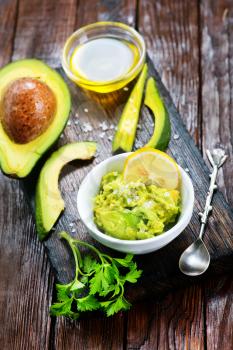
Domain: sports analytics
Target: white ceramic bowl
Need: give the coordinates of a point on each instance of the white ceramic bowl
(89, 188)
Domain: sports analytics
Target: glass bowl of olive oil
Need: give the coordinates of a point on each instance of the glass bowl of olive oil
(103, 56)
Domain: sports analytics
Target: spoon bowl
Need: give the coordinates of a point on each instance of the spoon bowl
(195, 259)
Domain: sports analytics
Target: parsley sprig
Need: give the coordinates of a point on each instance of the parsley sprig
(98, 283)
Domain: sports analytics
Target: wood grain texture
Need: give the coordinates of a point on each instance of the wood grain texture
(150, 326)
(25, 275)
(42, 28)
(175, 322)
(217, 93)
(170, 29)
(26, 281)
(8, 17)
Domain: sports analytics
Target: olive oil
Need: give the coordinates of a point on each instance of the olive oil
(103, 60)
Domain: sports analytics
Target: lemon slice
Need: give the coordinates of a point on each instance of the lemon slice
(150, 165)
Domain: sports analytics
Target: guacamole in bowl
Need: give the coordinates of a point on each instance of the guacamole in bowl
(134, 210)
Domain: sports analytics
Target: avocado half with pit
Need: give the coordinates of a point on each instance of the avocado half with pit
(34, 108)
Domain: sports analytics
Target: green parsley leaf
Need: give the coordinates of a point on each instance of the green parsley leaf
(63, 291)
(76, 286)
(133, 275)
(125, 262)
(88, 303)
(61, 309)
(89, 264)
(116, 305)
(97, 283)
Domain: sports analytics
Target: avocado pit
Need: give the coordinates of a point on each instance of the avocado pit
(27, 109)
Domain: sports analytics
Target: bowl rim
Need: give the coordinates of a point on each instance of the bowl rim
(82, 30)
(142, 242)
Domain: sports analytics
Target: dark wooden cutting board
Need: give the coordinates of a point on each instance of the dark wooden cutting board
(160, 269)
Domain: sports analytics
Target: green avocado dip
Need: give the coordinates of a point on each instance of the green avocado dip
(134, 210)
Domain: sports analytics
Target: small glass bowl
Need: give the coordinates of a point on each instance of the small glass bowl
(114, 30)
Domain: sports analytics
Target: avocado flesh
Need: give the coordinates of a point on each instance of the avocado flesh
(19, 159)
(49, 203)
(162, 129)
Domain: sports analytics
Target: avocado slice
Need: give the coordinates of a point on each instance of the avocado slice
(48, 200)
(124, 137)
(18, 159)
(162, 129)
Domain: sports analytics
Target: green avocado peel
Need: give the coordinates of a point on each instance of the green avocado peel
(162, 129)
(124, 137)
(48, 201)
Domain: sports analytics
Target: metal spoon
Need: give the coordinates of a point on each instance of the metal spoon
(195, 259)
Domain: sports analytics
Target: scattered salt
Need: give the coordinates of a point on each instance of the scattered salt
(71, 224)
(187, 170)
(148, 204)
(139, 127)
(87, 127)
(69, 123)
(101, 135)
(76, 122)
(126, 88)
(73, 230)
(112, 126)
(138, 144)
(176, 136)
(61, 136)
(86, 110)
(110, 137)
(103, 126)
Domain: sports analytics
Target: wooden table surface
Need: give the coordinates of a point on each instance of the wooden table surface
(191, 44)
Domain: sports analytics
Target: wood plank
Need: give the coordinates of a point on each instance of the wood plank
(42, 29)
(93, 333)
(8, 16)
(175, 322)
(217, 93)
(170, 30)
(26, 280)
(98, 332)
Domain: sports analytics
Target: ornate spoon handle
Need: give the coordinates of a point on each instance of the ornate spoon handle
(216, 160)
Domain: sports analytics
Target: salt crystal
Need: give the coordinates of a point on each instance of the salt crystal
(148, 204)
(176, 136)
(139, 126)
(61, 136)
(87, 127)
(187, 170)
(101, 135)
(69, 123)
(126, 88)
(86, 110)
(138, 144)
(103, 126)
(112, 126)
(76, 122)
(71, 224)
(73, 230)
(110, 137)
